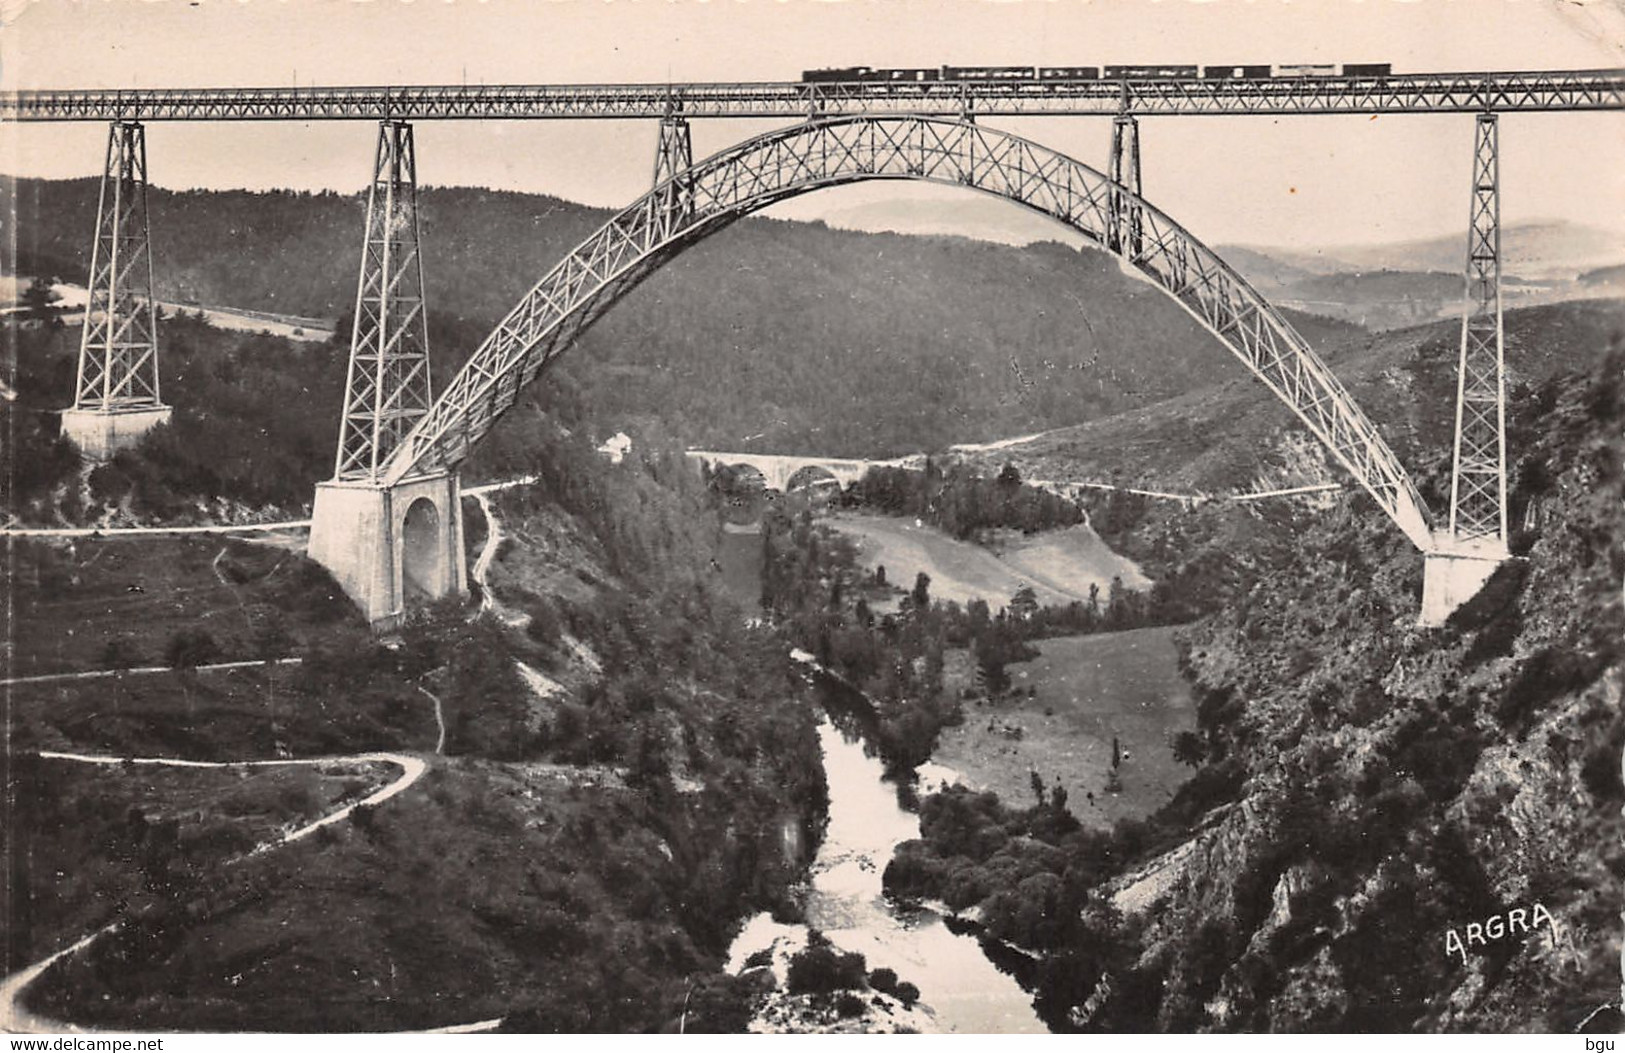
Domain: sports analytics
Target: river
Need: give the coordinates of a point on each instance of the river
(962, 987)
(964, 990)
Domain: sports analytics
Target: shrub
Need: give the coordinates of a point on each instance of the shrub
(1600, 770)
(883, 980)
(820, 969)
(907, 993)
(848, 1005)
(1546, 676)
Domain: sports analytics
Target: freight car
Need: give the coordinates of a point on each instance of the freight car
(1048, 74)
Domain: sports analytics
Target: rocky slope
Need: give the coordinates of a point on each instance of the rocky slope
(1404, 787)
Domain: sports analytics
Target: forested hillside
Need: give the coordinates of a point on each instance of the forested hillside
(594, 824)
(1239, 436)
(1372, 800)
(773, 334)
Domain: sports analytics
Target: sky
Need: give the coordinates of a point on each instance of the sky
(1295, 181)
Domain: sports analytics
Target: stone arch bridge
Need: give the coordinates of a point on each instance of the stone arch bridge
(779, 470)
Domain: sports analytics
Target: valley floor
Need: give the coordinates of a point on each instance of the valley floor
(1059, 565)
(1087, 690)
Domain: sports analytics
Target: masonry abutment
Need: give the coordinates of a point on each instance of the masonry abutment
(364, 534)
(390, 545)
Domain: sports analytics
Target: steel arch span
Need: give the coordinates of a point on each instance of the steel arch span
(757, 173)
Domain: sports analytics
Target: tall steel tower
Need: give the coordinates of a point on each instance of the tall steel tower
(1474, 540)
(116, 397)
(388, 388)
(1478, 481)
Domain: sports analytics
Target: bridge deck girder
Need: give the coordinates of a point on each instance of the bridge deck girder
(1464, 92)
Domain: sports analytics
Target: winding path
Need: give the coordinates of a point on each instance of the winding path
(488, 552)
(15, 1018)
(242, 528)
(148, 670)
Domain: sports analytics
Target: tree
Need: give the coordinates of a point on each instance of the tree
(1009, 476)
(1114, 778)
(38, 298)
(1117, 603)
(922, 591)
(1189, 749)
(1024, 604)
(880, 574)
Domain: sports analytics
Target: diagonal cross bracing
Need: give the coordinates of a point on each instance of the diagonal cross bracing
(1478, 477)
(118, 345)
(387, 390)
(782, 164)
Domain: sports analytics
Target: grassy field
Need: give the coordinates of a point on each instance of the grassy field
(258, 712)
(1086, 690)
(102, 603)
(1059, 565)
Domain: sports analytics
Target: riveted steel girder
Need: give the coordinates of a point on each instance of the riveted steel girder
(118, 346)
(793, 161)
(1469, 92)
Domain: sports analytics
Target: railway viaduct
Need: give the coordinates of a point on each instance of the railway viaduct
(388, 524)
(778, 471)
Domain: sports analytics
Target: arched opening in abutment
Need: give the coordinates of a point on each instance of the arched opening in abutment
(423, 572)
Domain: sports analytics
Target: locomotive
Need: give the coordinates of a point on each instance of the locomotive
(867, 74)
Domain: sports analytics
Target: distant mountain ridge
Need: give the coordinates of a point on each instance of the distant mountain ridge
(1384, 286)
(1537, 250)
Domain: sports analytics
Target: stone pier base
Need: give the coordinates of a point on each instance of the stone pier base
(99, 434)
(391, 547)
(1451, 577)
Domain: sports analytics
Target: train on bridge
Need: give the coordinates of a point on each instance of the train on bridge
(869, 75)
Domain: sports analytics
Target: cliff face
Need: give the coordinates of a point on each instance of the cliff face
(1406, 790)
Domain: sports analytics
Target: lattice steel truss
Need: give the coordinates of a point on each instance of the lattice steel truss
(672, 200)
(1478, 481)
(387, 390)
(785, 163)
(118, 346)
(1470, 92)
(1123, 232)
